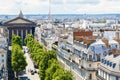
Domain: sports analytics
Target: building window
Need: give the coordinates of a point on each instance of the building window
(90, 76)
(103, 47)
(2, 55)
(98, 57)
(89, 65)
(3, 60)
(92, 48)
(99, 72)
(105, 75)
(90, 57)
(109, 46)
(105, 53)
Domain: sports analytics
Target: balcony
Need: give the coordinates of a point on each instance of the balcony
(112, 72)
(91, 69)
(99, 77)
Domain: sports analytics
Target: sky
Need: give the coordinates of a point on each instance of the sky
(60, 6)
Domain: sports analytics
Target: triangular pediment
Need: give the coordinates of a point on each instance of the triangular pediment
(19, 21)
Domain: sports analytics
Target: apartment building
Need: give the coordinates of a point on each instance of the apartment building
(109, 68)
(83, 51)
(3, 55)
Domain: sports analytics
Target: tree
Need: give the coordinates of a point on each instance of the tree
(60, 74)
(37, 55)
(53, 66)
(16, 40)
(44, 62)
(18, 59)
(28, 38)
(36, 46)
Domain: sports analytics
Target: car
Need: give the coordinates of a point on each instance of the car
(35, 71)
(32, 73)
(35, 66)
(24, 78)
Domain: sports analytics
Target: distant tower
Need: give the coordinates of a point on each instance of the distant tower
(49, 14)
(21, 14)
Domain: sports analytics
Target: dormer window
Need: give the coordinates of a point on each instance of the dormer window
(92, 48)
(105, 61)
(110, 64)
(102, 60)
(105, 53)
(2, 55)
(114, 64)
(103, 47)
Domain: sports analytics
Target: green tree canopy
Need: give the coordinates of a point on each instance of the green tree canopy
(53, 66)
(44, 62)
(28, 38)
(18, 59)
(16, 40)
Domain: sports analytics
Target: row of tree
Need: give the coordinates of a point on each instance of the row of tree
(18, 59)
(49, 67)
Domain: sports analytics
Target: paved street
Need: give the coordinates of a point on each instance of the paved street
(30, 66)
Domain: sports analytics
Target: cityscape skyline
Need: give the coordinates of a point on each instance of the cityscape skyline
(60, 6)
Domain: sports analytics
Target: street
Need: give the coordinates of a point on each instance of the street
(30, 65)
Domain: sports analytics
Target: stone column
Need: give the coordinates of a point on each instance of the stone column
(17, 31)
(22, 35)
(30, 31)
(26, 31)
(12, 31)
(8, 36)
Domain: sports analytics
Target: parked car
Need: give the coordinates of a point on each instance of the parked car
(32, 73)
(24, 78)
(35, 66)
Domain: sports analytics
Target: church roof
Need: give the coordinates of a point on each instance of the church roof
(19, 20)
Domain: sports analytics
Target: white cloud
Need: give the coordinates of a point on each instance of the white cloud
(104, 7)
(59, 6)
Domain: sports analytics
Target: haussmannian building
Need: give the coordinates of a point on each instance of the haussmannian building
(109, 68)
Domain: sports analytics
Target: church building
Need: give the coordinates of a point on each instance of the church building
(19, 26)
